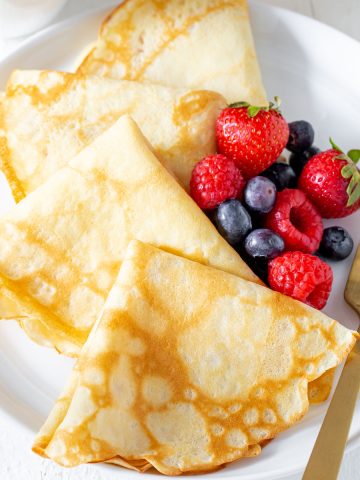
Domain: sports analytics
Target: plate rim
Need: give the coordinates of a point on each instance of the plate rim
(57, 28)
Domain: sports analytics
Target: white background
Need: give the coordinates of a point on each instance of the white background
(16, 460)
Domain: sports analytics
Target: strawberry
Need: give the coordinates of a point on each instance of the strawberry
(331, 182)
(253, 137)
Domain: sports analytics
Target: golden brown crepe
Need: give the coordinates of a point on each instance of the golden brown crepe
(50, 116)
(188, 368)
(62, 246)
(192, 43)
(318, 390)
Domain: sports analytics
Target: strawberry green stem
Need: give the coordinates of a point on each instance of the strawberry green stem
(253, 110)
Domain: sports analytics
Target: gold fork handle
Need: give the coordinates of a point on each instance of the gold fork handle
(325, 459)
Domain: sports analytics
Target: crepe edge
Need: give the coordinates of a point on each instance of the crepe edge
(14, 183)
(31, 318)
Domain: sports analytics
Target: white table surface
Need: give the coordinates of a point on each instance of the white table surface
(17, 462)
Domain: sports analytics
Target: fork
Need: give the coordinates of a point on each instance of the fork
(328, 451)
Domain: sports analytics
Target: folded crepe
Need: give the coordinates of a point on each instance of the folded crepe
(195, 44)
(188, 368)
(48, 117)
(62, 246)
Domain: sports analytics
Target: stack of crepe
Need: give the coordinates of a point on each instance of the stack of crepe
(185, 360)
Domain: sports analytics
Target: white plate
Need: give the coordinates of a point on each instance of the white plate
(315, 71)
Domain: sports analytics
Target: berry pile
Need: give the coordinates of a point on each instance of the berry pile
(271, 210)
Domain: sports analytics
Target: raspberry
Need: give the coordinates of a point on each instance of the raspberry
(215, 179)
(301, 276)
(296, 220)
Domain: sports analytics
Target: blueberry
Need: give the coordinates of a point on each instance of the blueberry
(263, 243)
(301, 136)
(299, 160)
(336, 243)
(260, 194)
(282, 175)
(232, 221)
